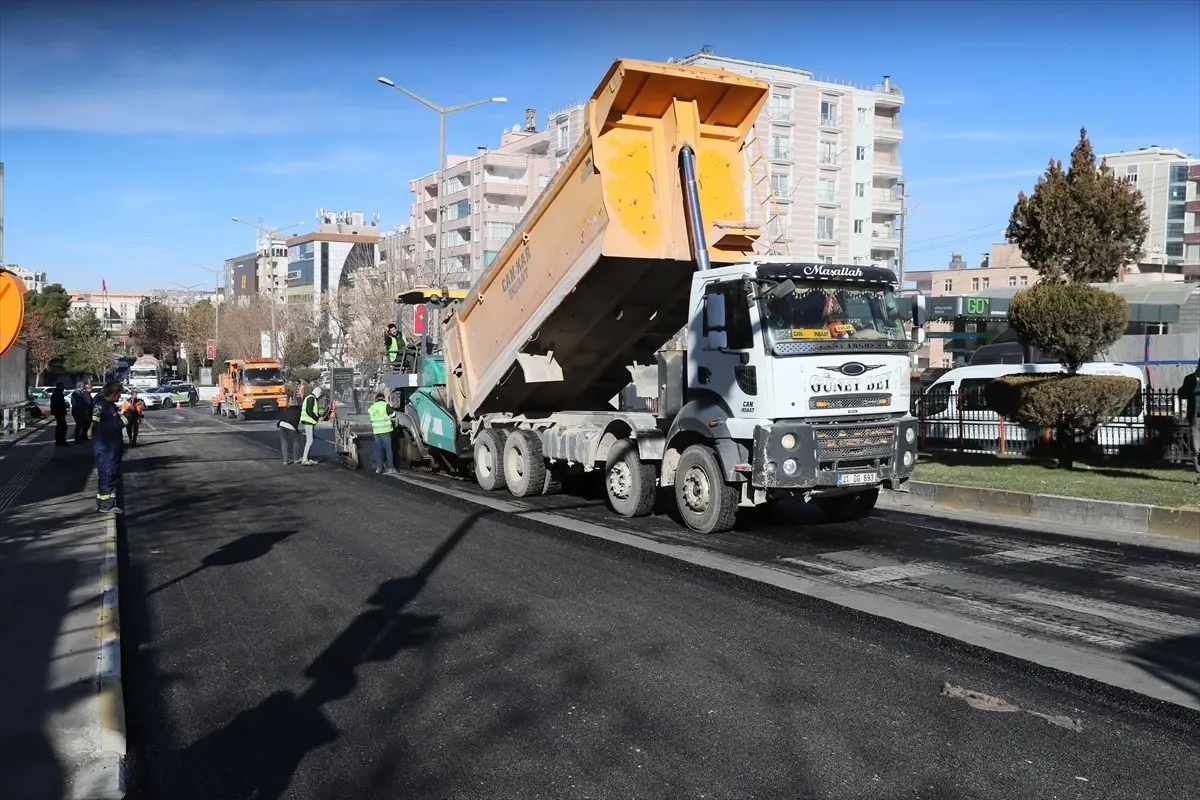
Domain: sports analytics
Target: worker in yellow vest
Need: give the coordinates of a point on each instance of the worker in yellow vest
(382, 425)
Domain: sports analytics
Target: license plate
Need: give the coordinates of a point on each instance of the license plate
(857, 478)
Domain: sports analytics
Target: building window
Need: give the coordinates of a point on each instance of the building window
(1012, 280)
(987, 282)
(1174, 230)
(828, 152)
(781, 105)
(488, 256)
(781, 147)
(1175, 249)
(324, 267)
(860, 225)
(825, 228)
(948, 286)
(543, 181)
(858, 260)
(860, 153)
(826, 191)
(776, 229)
(1131, 174)
(974, 284)
(499, 231)
(864, 115)
(827, 259)
(1175, 210)
(860, 190)
(829, 112)
(1179, 173)
(1024, 280)
(564, 136)
(779, 185)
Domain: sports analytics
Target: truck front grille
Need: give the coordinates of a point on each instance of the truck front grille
(837, 443)
(850, 401)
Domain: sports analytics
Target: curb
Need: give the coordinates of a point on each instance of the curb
(9, 439)
(106, 779)
(1174, 523)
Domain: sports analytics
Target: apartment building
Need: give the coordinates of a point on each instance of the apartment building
(1161, 175)
(34, 280)
(484, 196)
(827, 181)
(1191, 230)
(320, 263)
(117, 311)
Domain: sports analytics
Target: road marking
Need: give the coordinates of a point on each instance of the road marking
(1168, 586)
(1028, 555)
(1156, 621)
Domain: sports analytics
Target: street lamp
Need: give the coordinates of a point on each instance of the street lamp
(271, 234)
(216, 273)
(442, 112)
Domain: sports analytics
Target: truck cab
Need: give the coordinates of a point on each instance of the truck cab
(251, 386)
(799, 374)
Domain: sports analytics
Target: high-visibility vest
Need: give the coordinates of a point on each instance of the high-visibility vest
(393, 347)
(308, 410)
(380, 414)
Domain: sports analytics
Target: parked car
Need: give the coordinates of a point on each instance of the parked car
(157, 398)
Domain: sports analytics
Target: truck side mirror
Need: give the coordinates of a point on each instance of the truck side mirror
(920, 316)
(714, 313)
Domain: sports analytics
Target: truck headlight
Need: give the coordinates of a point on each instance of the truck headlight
(789, 466)
(908, 459)
(788, 441)
(909, 435)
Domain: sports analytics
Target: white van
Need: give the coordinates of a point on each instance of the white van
(954, 411)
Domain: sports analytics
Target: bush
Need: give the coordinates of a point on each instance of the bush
(1070, 323)
(1071, 405)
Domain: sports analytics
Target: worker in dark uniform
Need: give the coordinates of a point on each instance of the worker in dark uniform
(109, 425)
(58, 408)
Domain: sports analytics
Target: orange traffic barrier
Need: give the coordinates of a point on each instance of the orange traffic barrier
(12, 309)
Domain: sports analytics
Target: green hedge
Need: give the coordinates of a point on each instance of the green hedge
(1079, 402)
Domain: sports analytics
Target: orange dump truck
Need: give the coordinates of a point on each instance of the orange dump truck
(643, 232)
(250, 386)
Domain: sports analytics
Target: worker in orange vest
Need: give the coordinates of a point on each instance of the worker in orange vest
(135, 409)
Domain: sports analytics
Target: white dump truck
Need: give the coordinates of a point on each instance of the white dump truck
(795, 375)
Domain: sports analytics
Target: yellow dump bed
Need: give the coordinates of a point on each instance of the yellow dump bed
(597, 275)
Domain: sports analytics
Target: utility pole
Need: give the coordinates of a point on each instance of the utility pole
(270, 235)
(442, 112)
(216, 302)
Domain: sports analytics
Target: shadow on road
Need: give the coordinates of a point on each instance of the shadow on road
(1174, 660)
(239, 551)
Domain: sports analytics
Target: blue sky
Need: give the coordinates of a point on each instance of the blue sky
(132, 132)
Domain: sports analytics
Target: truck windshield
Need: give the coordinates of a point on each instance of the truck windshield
(263, 376)
(144, 372)
(832, 316)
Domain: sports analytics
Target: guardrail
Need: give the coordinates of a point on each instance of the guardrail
(1152, 427)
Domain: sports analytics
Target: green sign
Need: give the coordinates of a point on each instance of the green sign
(977, 306)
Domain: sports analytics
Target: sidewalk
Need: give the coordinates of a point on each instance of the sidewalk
(61, 730)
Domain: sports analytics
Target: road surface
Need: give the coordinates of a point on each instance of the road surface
(310, 632)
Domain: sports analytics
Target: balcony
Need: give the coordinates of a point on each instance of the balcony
(888, 94)
(827, 198)
(831, 121)
(1194, 172)
(498, 187)
(829, 160)
(1192, 238)
(885, 238)
(781, 154)
(827, 237)
(885, 202)
(1193, 206)
(780, 114)
(885, 165)
(888, 130)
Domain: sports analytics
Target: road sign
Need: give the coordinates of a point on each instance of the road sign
(12, 309)
(211, 352)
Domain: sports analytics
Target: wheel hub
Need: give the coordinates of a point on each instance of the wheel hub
(696, 490)
(620, 480)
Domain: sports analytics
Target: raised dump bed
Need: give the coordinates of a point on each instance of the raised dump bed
(597, 275)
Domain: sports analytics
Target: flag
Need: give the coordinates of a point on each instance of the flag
(103, 286)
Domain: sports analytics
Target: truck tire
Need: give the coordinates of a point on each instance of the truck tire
(848, 507)
(241, 415)
(489, 459)
(524, 464)
(629, 483)
(706, 502)
(553, 483)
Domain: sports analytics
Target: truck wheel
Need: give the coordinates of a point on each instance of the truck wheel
(706, 503)
(241, 415)
(489, 459)
(629, 483)
(524, 464)
(553, 483)
(216, 410)
(847, 507)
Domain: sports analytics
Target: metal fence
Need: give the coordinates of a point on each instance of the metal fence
(1152, 427)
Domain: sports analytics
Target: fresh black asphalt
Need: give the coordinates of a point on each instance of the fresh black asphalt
(306, 632)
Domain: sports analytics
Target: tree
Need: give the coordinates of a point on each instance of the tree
(299, 352)
(54, 303)
(374, 303)
(1083, 225)
(89, 349)
(1071, 323)
(242, 326)
(152, 329)
(42, 346)
(194, 327)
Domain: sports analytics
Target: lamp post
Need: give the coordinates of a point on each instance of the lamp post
(442, 112)
(216, 273)
(271, 234)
